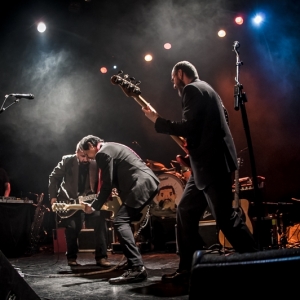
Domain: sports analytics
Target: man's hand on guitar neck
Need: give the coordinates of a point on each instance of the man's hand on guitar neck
(150, 113)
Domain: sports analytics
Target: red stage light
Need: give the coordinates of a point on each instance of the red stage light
(103, 70)
(239, 20)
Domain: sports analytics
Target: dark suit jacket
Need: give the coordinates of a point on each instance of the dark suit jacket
(63, 181)
(210, 144)
(123, 169)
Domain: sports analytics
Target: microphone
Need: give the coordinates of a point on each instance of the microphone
(25, 96)
(236, 44)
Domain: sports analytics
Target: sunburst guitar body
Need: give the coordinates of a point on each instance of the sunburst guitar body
(241, 206)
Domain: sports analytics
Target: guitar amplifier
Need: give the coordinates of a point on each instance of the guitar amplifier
(208, 232)
(86, 240)
(207, 215)
(59, 240)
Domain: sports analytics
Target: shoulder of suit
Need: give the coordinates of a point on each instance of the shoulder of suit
(194, 86)
(68, 156)
(199, 85)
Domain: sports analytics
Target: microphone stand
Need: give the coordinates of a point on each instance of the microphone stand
(2, 109)
(239, 103)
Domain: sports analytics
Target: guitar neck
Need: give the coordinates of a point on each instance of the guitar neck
(179, 140)
(87, 198)
(74, 206)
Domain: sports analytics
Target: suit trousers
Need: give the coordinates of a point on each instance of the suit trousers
(122, 225)
(218, 196)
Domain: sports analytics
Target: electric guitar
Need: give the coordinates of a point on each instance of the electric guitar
(65, 210)
(240, 205)
(68, 212)
(113, 205)
(131, 89)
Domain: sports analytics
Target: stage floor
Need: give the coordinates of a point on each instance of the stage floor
(50, 277)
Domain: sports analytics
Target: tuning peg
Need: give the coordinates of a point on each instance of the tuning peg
(126, 76)
(138, 82)
(120, 72)
(132, 79)
(137, 91)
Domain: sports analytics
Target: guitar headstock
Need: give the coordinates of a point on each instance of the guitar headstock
(128, 84)
(60, 207)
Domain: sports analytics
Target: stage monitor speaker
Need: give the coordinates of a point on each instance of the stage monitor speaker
(270, 274)
(12, 285)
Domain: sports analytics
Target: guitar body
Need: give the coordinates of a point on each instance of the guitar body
(241, 206)
(244, 205)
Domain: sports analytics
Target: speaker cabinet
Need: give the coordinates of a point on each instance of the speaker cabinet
(270, 274)
(12, 285)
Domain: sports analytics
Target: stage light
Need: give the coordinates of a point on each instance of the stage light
(167, 46)
(257, 20)
(41, 27)
(239, 20)
(148, 57)
(103, 70)
(114, 67)
(221, 33)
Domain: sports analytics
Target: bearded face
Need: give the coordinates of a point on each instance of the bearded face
(177, 82)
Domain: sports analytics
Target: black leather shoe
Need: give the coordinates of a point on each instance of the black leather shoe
(180, 277)
(133, 275)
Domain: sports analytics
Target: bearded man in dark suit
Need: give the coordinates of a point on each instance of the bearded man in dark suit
(76, 176)
(212, 157)
(123, 169)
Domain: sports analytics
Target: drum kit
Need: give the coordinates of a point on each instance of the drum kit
(170, 189)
